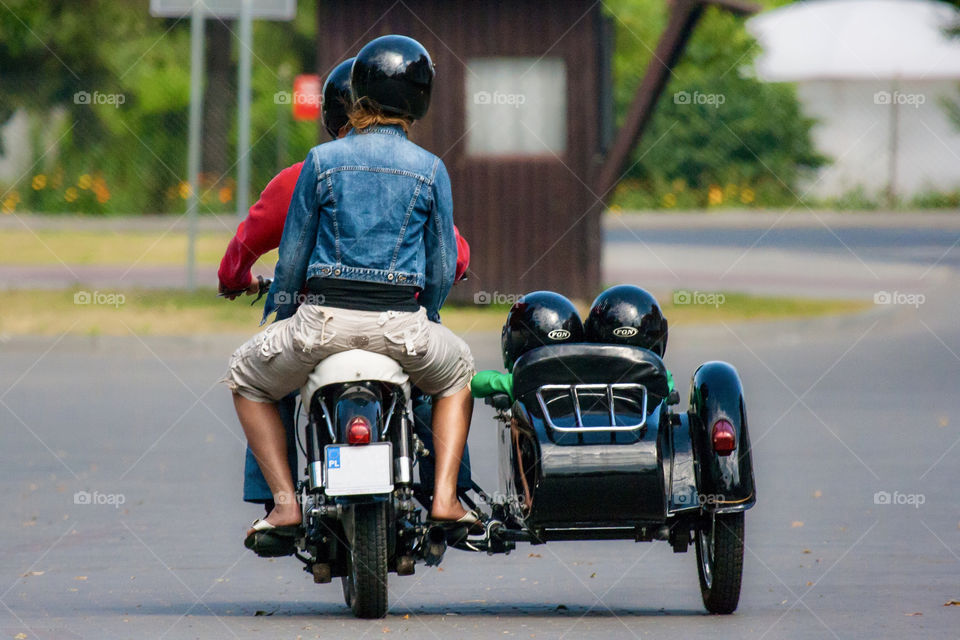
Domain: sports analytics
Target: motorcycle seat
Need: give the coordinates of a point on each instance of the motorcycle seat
(353, 366)
(590, 363)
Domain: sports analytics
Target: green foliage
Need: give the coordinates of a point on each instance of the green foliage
(856, 199)
(127, 154)
(718, 136)
(130, 157)
(936, 200)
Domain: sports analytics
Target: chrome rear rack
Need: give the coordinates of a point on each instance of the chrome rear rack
(609, 391)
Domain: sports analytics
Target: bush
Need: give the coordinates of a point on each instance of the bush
(718, 137)
(127, 154)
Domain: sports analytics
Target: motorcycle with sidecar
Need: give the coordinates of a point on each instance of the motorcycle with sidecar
(592, 446)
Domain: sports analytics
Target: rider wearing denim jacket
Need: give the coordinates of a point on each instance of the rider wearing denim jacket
(387, 183)
(369, 233)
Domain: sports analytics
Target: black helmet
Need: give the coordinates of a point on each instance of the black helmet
(394, 74)
(537, 319)
(626, 314)
(336, 97)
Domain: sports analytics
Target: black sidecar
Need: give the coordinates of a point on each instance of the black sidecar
(595, 448)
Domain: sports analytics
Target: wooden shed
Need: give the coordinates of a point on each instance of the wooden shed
(521, 115)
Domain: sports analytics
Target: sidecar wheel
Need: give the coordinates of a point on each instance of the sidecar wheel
(720, 561)
(365, 585)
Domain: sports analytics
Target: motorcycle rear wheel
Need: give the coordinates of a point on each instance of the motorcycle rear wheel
(365, 585)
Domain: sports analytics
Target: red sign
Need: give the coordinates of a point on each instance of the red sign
(306, 96)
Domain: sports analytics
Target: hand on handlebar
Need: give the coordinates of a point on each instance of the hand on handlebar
(252, 289)
(257, 287)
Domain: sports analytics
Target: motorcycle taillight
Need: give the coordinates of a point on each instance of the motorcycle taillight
(724, 437)
(358, 431)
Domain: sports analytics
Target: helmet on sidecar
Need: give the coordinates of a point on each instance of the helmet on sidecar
(626, 314)
(393, 74)
(538, 319)
(336, 98)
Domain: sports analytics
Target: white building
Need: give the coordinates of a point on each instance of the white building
(874, 73)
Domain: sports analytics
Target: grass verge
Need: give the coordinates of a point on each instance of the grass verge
(176, 312)
(21, 247)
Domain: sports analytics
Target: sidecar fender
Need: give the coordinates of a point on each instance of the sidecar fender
(725, 483)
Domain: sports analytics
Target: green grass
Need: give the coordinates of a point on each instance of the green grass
(123, 248)
(175, 312)
(740, 306)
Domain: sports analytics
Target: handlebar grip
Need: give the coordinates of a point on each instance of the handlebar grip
(264, 284)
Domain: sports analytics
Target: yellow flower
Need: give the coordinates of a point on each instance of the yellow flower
(746, 195)
(39, 182)
(100, 189)
(616, 209)
(184, 190)
(84, 181)
(9, 205)
(70, 194)
(715, 195)
(669, 200)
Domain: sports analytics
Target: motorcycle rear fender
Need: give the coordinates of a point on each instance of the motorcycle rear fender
(726, 483)
(357, 400)
(355, 365)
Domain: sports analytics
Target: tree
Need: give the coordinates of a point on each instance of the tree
(123, 150)
(718, 133)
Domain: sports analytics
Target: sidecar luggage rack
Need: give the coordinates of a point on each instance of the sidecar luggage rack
(608, 392)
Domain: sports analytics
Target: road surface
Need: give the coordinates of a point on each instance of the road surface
(841, 409)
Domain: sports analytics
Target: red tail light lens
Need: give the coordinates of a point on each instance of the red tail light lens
(358, 431)
(724, 437)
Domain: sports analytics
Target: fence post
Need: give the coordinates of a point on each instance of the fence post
(193, 147)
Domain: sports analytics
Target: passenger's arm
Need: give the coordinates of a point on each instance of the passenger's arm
(296, 244)
(463, 255)
(259, 233)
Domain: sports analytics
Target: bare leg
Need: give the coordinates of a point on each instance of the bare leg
(267, 439)
(451, 423)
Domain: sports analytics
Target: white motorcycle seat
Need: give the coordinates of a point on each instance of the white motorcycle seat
(353, 366)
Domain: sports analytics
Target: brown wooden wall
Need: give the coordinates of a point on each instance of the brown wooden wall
(532, 223)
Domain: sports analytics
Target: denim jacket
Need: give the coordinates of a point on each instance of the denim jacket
(371, 206)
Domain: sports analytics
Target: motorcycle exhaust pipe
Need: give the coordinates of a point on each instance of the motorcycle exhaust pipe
(315, 475)
(403, 464)
(433, 546)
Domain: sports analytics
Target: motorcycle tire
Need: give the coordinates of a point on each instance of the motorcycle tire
(720, 561)
(365, 585)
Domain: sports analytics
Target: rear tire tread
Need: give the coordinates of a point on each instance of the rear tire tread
(370, 562)
(723, 596)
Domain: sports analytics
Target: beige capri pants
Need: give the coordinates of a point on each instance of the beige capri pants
(279, 359)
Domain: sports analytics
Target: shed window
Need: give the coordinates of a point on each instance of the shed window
(516, 106)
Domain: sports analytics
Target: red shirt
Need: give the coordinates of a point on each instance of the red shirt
(262, 229)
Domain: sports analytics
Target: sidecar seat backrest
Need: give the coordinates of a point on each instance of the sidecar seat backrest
(591, 363)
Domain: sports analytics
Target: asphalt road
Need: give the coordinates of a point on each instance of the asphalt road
(771, 253)
(840, 409)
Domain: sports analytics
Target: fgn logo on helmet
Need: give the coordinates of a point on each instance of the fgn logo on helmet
(625, 332)
(559, 334)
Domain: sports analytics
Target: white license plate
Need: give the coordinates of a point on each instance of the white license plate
(358, 469)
